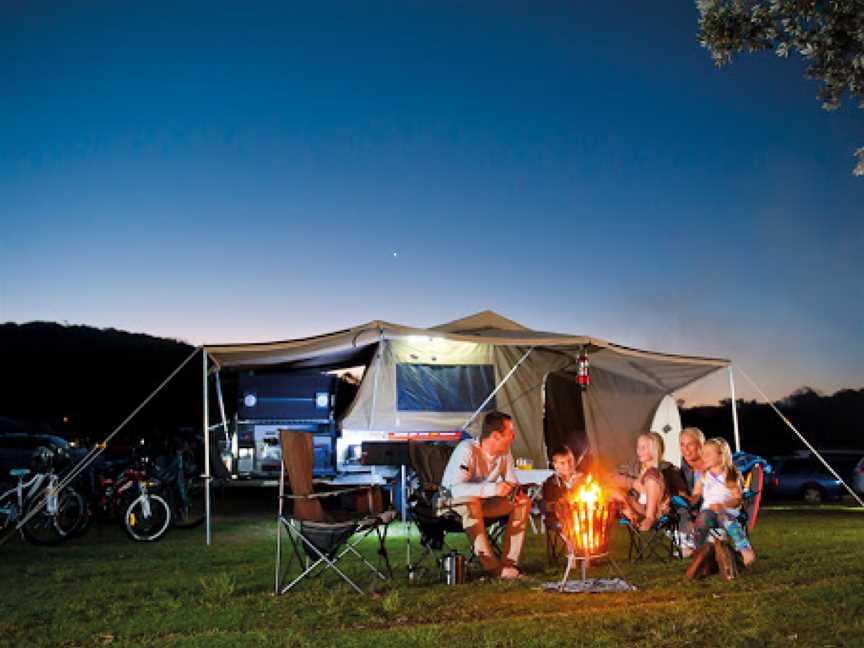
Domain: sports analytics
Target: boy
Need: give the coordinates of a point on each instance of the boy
(565, 477)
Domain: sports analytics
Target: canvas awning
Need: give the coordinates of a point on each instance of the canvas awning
(628, 383)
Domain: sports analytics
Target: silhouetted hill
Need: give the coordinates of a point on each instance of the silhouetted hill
(84, 381)
(828, 422)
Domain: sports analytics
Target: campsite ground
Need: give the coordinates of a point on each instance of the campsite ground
(807, 589)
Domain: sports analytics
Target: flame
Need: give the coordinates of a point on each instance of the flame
(584, 515)
(589, 492)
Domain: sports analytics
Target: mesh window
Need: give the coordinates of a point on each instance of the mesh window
(444, 388)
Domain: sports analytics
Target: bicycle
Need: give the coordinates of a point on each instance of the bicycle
(183, 489)
(51, 515)
(145, 515)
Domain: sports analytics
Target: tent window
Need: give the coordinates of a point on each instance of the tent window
(444, 388)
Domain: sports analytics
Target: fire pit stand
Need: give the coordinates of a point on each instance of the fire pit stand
(585, 584)
(585, 520)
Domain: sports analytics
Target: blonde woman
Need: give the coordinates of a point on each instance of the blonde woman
(721, 489)
(648, 497)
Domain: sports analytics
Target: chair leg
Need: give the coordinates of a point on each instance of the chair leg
(282, 526)
(350, 547)
(278, 553)
(382, 549)
(321, 558)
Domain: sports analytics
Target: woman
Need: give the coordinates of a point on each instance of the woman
(647, 497)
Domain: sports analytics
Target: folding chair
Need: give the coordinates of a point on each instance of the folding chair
(322, 536)
(663, 540)
(556, 548)
(429, 462)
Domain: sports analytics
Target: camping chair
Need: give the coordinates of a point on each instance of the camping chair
(325, 536)
(663, 540)
(556, 547)
(429, 462)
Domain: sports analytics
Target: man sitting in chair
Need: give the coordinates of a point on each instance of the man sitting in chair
(481, 481)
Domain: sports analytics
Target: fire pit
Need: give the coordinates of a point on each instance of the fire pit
(586, 518)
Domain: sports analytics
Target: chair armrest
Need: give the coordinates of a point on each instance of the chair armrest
(680, 502)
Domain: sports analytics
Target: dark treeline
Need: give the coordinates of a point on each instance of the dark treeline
(83, 381)
(828, 422)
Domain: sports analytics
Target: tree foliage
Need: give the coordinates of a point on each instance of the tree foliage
(829, 36)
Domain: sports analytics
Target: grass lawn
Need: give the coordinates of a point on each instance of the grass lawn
(806, 589)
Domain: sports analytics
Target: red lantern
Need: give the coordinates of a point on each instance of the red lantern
(583, 371)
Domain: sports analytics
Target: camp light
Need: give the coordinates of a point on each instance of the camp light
(583, 371)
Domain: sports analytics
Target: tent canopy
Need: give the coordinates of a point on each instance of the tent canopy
(421, 379)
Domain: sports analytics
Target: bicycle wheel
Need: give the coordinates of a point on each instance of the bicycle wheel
(191, 515)
(72, 513)
(147, 518)
(8, 517)
(41, 528)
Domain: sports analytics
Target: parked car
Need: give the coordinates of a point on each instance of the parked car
(858, 478)
(17, 448)
(803, 476)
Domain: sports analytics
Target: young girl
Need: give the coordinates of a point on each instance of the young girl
(644, 495)
(720, 489)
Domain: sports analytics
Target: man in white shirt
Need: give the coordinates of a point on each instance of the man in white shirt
(480, 481)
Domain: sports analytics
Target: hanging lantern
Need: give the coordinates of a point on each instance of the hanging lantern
(583, 371)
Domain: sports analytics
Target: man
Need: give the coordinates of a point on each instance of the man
(480, 480)
(691, 441)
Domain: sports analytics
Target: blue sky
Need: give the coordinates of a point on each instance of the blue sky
(216, 172)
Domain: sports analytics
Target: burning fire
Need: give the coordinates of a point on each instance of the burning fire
(585, 516)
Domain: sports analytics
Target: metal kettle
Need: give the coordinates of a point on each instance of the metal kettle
(454, 568)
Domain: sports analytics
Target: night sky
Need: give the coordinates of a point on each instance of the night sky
(222, 172)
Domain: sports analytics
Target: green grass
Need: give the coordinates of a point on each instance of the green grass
(806, 589)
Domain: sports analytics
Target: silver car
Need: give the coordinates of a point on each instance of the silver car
(858, 477)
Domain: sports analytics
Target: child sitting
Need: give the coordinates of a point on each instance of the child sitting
(720, 489)
(565, 477)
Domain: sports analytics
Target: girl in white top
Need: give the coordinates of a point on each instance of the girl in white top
(721, 489)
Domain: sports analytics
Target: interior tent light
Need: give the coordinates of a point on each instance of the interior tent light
(422, 339)
(322, 400)
(249, 400)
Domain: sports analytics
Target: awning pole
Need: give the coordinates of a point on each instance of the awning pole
(497, 388)
(801, 436)
(208, 530)
(221, 403)
(734, 404)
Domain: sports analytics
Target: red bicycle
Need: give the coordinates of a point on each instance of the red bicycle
(146, 516)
